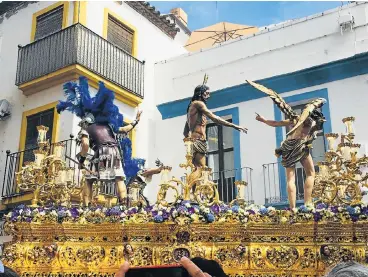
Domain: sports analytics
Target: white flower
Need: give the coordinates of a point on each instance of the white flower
(174, 213)
(68, 213)
(357, 210)
(196, 210)
(339, 209)
(295, 210)
(229, 211)
(271, 209)
(122, 215)
(9, 215)
(187, 205)
(195, 217)
(42, 213)
(206, 210)
(53, 213)
(98, 210)
(283, 219)
(246, 213)
(159, 213)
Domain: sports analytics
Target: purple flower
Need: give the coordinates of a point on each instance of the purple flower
(182, 209)
(61, 213)
(74, 212)
(354, 218)
(28, 219)
(251, 212)
(215, 209)
(321, 206)
(132, 211)
(303, 209)
(191, 210)
(154, 213)
(115, 210)
(158, 219)
(224, 208)
(165, 214)
(334, 209)
(317, 216)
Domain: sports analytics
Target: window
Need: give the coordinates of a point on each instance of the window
(49, 23)
(221, 159)
(120, 34)
(49, 20)
(45, 118)
(317, 153)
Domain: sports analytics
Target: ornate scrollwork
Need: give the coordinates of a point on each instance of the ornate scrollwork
(92, 255)
(42, 255)
(257, 258)
(308, 259)
(283, 256)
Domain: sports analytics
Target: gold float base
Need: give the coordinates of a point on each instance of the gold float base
(264, 249)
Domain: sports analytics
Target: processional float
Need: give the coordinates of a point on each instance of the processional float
(56, 237)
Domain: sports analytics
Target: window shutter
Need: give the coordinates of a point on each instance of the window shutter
(120, 35)
(49, 23)
(45, 118)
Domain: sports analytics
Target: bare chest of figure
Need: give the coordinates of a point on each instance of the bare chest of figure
(300, 133)
(197, 123)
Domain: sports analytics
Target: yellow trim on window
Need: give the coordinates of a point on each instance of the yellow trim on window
(80, 12)
(108, 12)
(23, 129)
(45, 10)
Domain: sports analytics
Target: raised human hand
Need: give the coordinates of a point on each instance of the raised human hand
(260, 118)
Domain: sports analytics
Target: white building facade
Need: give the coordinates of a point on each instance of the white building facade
(45, 44)
(323, 55)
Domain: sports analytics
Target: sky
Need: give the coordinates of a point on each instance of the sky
(205, 13)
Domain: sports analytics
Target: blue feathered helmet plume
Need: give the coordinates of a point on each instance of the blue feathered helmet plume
(79, 102)
(131, 165)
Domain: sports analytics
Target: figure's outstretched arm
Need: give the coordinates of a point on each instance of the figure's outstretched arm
(126, 129)
(202, 107)
(151, 171)
(273, 123)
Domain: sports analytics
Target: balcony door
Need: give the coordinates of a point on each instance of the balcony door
(221, 158)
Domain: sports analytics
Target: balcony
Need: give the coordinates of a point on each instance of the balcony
(74, 51)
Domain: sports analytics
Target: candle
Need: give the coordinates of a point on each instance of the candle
(345, 151)
(188, 145)
(331, 140)
(241, 189)
(349, 125)
(58, 150)
(39, 156)
(70, 174)
(165, 174)
(42, 130)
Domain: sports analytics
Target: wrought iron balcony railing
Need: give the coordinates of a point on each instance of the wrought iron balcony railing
(224, 179)
(78, 45)
(274, 177)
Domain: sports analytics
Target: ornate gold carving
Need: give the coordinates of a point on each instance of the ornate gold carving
(283, 256)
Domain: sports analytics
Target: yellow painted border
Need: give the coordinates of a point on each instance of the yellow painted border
(80, 12)
(23, 128)
(45, 10)
(55, 78)
(108, 12)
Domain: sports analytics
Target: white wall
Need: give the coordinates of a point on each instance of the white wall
(297, 45)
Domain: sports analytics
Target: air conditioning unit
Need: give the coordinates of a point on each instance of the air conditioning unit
(4, 109)
(346, 22)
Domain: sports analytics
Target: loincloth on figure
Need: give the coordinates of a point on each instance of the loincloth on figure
(106, 163)
(200, 146)
(293, 151)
